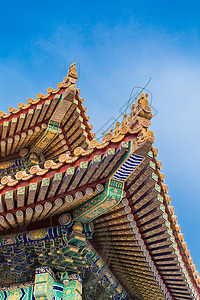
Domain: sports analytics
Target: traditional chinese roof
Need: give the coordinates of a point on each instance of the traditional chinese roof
(44, 128)
(42, 192)
(117, 184)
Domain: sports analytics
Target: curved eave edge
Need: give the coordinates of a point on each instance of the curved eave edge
(176, 237)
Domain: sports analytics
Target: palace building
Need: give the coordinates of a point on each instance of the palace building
(82, 218)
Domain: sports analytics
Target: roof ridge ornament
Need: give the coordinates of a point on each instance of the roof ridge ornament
(141, 108)
(72, 75)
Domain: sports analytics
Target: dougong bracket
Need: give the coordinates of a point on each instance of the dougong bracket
(101, 203)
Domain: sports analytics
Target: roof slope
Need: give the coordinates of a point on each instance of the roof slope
(141, 239)
(44, 128)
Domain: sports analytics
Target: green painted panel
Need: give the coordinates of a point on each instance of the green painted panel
(22, 292)
(101, 203)
(73, 290)
(44, 281)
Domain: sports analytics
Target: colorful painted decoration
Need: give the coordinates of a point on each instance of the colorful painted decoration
(86, 219)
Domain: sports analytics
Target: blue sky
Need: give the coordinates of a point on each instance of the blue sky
(118, 45)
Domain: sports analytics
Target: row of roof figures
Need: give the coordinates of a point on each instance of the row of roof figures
(137, 105)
